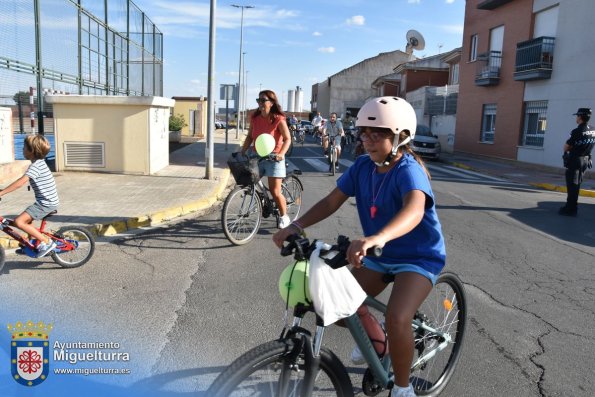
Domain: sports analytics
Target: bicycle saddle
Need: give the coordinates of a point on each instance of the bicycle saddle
(54, 212)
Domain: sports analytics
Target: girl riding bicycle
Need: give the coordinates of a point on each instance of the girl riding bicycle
(270, 119)
(396, 209)
(38, 175)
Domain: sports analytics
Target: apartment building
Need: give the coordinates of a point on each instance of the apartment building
(525, 68)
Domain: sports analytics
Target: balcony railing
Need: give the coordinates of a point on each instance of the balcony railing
(488, 68)
(534, 59)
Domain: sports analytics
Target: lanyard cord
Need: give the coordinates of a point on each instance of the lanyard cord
(375, 195)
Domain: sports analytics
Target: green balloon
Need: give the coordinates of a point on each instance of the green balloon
(265, 143)
(293, 284)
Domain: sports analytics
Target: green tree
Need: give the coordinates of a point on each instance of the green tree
(176, 122)
(23, 96)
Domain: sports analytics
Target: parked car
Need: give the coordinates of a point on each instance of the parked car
(306, 126)
(425, 143)
(220, 124)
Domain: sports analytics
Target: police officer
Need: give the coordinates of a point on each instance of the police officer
(577, 158)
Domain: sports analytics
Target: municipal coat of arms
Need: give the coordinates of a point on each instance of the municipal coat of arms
(29, 352)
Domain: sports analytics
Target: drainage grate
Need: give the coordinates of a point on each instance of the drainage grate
(84, 154)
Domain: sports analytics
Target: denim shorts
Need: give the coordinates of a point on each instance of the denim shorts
(38, 211)
(396, 269)
(275, 169)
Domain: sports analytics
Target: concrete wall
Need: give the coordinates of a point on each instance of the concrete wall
(133, 132)
(572, 84)
(444, 127)
(183, 106)
(352, 86)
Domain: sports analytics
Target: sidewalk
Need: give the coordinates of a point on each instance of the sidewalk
(109, 204)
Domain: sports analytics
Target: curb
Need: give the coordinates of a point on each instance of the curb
(166, 214)
(120, 226)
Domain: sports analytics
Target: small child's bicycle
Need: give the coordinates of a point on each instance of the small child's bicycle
(74, 245)
(296, 364)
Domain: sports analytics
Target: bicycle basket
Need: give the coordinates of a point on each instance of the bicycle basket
(244, 170)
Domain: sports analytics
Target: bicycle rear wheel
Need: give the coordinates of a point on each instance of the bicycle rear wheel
(444, 310)
(241, 215)
(272, 367)
(292, 191)
(72, 236)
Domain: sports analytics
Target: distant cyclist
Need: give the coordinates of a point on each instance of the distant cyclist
(316, 123)
(333, 129)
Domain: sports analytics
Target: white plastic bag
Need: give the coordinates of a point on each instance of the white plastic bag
(335, 292)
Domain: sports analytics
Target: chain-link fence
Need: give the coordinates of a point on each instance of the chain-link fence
(98, 47)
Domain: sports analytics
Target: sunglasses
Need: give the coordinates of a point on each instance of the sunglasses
(373, 136)
(262, 100)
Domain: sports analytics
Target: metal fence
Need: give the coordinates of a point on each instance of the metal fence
(85, 47)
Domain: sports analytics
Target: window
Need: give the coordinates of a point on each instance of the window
(535, 123)
(473, 48)
(488, 124)
(454, 78)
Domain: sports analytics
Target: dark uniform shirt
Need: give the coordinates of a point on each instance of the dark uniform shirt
(582, 140)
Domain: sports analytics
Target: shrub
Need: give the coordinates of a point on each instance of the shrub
(176, 122)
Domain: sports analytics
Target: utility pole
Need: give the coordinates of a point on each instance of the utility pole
(209, 148)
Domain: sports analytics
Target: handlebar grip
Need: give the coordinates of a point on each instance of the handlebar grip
(374, 251)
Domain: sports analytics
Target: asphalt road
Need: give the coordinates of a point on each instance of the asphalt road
(185, 303)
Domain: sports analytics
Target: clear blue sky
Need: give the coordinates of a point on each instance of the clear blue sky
(292, 43)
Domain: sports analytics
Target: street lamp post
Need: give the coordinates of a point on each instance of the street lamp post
(245, 96)
(240, 70)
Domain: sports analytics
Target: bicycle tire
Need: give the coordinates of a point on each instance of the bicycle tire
(333, 160)
(241, 215)
(247, 375)
(432, 378)
(2, 258)
(292, 189)
(85, 246)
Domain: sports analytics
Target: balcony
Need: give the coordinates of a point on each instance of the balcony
(488, 68)
(491, 4)
(534, 59)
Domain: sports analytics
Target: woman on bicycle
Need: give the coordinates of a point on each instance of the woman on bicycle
(396, 209)
(270, 119)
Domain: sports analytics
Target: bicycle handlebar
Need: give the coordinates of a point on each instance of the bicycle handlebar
(302, 248)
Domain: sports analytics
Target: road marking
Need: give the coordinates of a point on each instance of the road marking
(465, 174)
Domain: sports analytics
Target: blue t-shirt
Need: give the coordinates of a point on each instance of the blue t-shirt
(424, 245)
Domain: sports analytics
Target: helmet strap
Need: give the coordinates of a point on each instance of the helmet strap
(394, 150)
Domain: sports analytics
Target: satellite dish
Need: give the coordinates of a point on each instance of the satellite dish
(415, 41)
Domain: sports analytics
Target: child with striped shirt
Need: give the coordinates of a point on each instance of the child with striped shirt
(39, 176)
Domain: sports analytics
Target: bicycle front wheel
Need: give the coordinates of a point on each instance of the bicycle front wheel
(74, 246)
(241, 215)
(292, 191)
(445, 311)
(333, 158)
(2, 258)
(272, 369)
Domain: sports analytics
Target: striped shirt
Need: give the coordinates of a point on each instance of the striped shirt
(43, 184)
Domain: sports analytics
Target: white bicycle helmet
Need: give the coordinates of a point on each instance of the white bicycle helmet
(393, 113)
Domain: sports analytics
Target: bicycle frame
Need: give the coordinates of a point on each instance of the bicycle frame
(379, 367)
(5, 226)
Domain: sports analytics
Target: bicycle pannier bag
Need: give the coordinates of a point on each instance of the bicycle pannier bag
(335, 292)
(243, 169)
